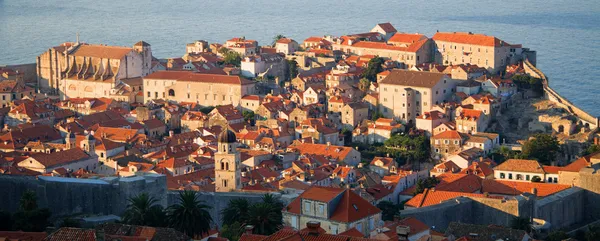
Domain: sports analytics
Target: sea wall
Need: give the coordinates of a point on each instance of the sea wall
(552, 95)
(72, 196)
(29, 71)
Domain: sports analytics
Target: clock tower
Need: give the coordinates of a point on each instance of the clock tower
(227, 163)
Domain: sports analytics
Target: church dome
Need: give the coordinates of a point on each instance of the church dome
(227, 136)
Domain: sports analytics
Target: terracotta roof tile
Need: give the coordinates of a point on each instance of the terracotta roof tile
(520, 165)
(516, 188)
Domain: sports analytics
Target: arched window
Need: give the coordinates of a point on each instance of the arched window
(227, 166)
(171, 92)
(222, 165)
(224, 183)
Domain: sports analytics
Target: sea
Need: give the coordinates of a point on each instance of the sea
(565, 34)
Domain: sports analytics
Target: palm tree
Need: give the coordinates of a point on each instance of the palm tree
(265, 217)
(144, 210)
(28, 201)
(236, 210)
(277, 37)
(189, 215)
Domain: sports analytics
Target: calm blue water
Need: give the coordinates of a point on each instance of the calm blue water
(566, 34)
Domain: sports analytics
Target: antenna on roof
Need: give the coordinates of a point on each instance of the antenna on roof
(77, 37)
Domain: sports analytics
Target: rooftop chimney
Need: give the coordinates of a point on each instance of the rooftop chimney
(313, 227)
(402, 232)
(248, 229)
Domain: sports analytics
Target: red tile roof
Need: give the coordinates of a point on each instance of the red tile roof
(101, 51)
(387, 27)
(61, 157)
(351, 207)
(73, 234)
(469, 38)
(449, 134)
(433, 197)
(406, 38)
(520, 165)
(516, 188)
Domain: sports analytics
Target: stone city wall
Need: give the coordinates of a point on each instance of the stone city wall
(72, 196)
(552, 95)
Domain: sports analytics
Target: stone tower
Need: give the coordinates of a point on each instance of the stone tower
(227, 163)
(88, 144)
(70, 140)
(145, 50)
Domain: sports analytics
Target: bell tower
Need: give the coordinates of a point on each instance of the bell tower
(227, 163)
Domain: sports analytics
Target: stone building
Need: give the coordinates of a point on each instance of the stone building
(84, 70)
(454, 48)
(207, 89)
(446, 143)
(264, 65)
(405, 95)
(336, 209)
(286, 46)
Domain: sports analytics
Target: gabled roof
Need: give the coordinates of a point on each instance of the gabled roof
(101, 51)
(61, 157)
(469, 38)
(520, 165)
(406, 38)
(350, 207)
(387, 27)
(449, 134)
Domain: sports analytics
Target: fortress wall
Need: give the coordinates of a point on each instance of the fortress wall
(500, 212)
(439, 216)
(553, 96)
(71, 196)
(562, 209)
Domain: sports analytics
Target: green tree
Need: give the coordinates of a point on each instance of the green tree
(248, 116)
(232, 58)
(593, 233)
(410, 147)
(374, 67)
(277, 38)
(542, 147)
(71, 223)
(144, 210)
(422, 184)
(591, 149)
(521, 224)
(190, 215)
(376, 115)
(233, 231)
(28, 201)
(223, 51)
(364, 84)
(30, 218)
(536, 179)
(292, 69)
(236, 210)
(389, 210)
(558, 235)
(265, 216)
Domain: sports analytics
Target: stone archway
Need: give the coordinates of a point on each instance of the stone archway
(171, 92)
(561, 129)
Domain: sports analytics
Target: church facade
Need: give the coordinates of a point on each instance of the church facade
(90, 71)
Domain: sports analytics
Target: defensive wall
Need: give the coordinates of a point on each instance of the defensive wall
(72, 196)
(553, 96)
(473, 210)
